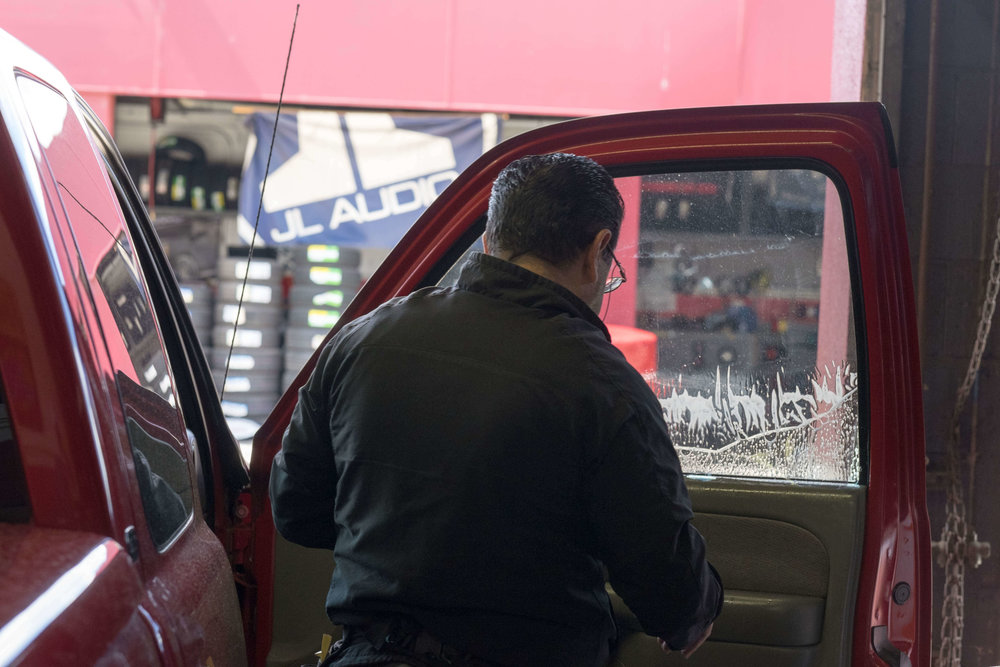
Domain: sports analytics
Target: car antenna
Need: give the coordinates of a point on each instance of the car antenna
(260, 203)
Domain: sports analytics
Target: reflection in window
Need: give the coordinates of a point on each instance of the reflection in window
(133, 317)
(164, 482)
(161, 469)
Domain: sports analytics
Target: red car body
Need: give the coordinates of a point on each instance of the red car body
(89, 574)
(83, 579)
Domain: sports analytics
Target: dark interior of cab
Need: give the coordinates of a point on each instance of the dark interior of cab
(15, 505)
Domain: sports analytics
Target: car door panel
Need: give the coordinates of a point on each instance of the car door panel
(808, 468)
(788, 560)
(56, 581)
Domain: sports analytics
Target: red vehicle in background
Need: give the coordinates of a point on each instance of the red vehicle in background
(766, 242)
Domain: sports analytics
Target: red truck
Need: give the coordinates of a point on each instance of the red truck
(132, 532)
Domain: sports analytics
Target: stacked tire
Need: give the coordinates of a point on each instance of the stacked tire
(198, 299)
(324, 280)
(247, 333)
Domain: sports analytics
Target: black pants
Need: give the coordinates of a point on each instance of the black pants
(396, 642)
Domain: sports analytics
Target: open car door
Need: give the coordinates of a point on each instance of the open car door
(769, 305)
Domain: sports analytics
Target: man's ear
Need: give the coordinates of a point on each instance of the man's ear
(593, 256)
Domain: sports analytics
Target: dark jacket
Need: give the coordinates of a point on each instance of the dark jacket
(473, 455)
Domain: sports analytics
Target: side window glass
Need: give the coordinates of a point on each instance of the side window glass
(108, 267)
(743, 288)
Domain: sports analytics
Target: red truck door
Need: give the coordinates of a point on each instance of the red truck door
(765, 250)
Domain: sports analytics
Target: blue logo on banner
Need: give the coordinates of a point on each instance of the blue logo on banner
(355, 179)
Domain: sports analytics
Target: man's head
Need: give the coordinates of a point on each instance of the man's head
(561, 209)
(551, 206)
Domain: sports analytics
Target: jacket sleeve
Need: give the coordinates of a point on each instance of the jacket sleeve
(641, 513)
(303, 475)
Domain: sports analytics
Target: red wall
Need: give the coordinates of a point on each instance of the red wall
(559, 57)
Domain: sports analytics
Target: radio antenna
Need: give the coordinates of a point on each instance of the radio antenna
(260, 204)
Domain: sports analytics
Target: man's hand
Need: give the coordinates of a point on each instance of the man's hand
(694, 646)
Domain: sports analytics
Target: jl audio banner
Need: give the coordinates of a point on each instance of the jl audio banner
(356, 179)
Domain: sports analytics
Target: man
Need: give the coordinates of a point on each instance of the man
(476, 456)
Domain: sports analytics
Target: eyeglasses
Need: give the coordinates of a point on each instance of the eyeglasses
(614, 282)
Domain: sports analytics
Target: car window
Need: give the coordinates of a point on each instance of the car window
(108, 266)
(742, 278)
(738, 312)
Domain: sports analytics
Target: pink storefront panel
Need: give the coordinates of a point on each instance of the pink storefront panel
(519, 56)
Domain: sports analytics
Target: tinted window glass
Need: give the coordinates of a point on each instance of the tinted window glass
(108, 266)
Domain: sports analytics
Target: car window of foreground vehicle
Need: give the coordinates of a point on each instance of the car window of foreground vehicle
(155, 430)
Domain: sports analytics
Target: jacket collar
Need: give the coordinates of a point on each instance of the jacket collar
(505, 280)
